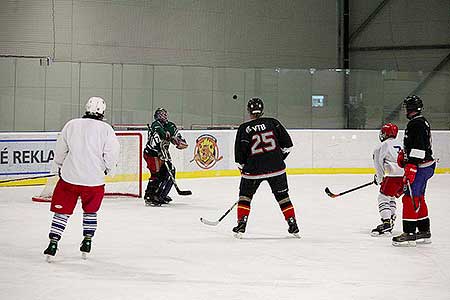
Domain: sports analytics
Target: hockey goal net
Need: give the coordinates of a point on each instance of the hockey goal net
(127, 180)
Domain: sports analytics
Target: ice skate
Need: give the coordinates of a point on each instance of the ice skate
(423, 237)
(404, 240)
(167, 199)
(240, 228)
(85, 247)
(153, 200)
(384, 229)
(51, 250)
(293, 228)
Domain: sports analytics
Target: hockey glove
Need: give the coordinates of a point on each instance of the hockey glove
(401, 159)
(377, 180)
(410, 173)
(240, 167)
(179, 142)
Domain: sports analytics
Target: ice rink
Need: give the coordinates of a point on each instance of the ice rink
(167, 253)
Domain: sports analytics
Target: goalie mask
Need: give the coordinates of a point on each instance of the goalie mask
(96, 106)
(161, 115)
(388, 130)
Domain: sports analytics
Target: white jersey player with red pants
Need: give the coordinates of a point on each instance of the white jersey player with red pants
(86, 150)
(389, 176)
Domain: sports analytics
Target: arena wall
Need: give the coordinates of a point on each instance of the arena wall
(211, 153)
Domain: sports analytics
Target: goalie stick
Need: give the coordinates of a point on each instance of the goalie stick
(180, 192)
(215, 223)
(332, 195)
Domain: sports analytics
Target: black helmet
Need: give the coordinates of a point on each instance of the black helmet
(161, 115)
(255, 106)
(413, 104)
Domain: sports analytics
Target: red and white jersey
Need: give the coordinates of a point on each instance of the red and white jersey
(85, 149)
(385, 159)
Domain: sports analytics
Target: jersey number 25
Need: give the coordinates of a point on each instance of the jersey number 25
(263, 142)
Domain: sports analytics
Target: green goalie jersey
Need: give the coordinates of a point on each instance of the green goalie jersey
(159, 137)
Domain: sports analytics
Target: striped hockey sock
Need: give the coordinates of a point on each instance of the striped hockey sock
(243, 207)
(89, 224)
(287, 208)
(59, 223)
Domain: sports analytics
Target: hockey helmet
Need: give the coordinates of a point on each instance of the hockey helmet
(96, 106)
(255, 106)
(413, 104)
(161, 115)
(388, 130)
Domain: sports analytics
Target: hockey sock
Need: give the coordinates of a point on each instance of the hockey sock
(423, 225)
(285, 205)
(59, 223)
(243, 207)
(89, 224)
(384, 206)
(393, 205)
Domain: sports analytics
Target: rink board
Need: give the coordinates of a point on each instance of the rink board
(211, 153)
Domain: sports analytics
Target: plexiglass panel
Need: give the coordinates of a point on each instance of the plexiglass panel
(42, 98)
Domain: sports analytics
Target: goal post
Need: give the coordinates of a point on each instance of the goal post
(127, 178)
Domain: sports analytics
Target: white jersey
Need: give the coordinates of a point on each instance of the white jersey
(385, 159)
(85, 150)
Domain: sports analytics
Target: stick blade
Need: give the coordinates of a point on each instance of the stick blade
(329, 193)
(207, 222)
(185, 193)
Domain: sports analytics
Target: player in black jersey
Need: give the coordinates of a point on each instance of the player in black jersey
(417, 160)
(261, 146)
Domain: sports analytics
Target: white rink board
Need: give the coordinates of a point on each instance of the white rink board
(312, 149)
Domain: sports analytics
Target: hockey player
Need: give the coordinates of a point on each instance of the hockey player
(389, 175)
(261, 146)
(86, 150)
(418, 163)
(161, 133)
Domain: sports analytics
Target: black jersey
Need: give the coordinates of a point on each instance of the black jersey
(417, 141)
(261, 146)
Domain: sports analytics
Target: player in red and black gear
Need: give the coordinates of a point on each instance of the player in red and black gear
(261, 146)
(418, 163)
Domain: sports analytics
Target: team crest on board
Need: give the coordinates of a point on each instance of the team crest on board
(206, 152)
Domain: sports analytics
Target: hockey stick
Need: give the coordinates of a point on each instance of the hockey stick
(214, 223)
(179, 191)
(26, 178)
(332, 195)
(416, 208)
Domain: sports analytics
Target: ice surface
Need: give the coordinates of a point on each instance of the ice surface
(167, 253)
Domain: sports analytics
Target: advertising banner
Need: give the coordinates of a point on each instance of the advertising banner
(24, 155)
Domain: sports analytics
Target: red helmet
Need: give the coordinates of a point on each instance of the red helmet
(388, 130)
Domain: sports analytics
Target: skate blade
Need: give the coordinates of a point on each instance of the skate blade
(404, 244)
(423, 241)
(238, 235)
(84, 255)
(377, 234)
(48, 258)
(153, 204)
(297, 235)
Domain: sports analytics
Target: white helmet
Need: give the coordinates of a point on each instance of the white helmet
(96, 106)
